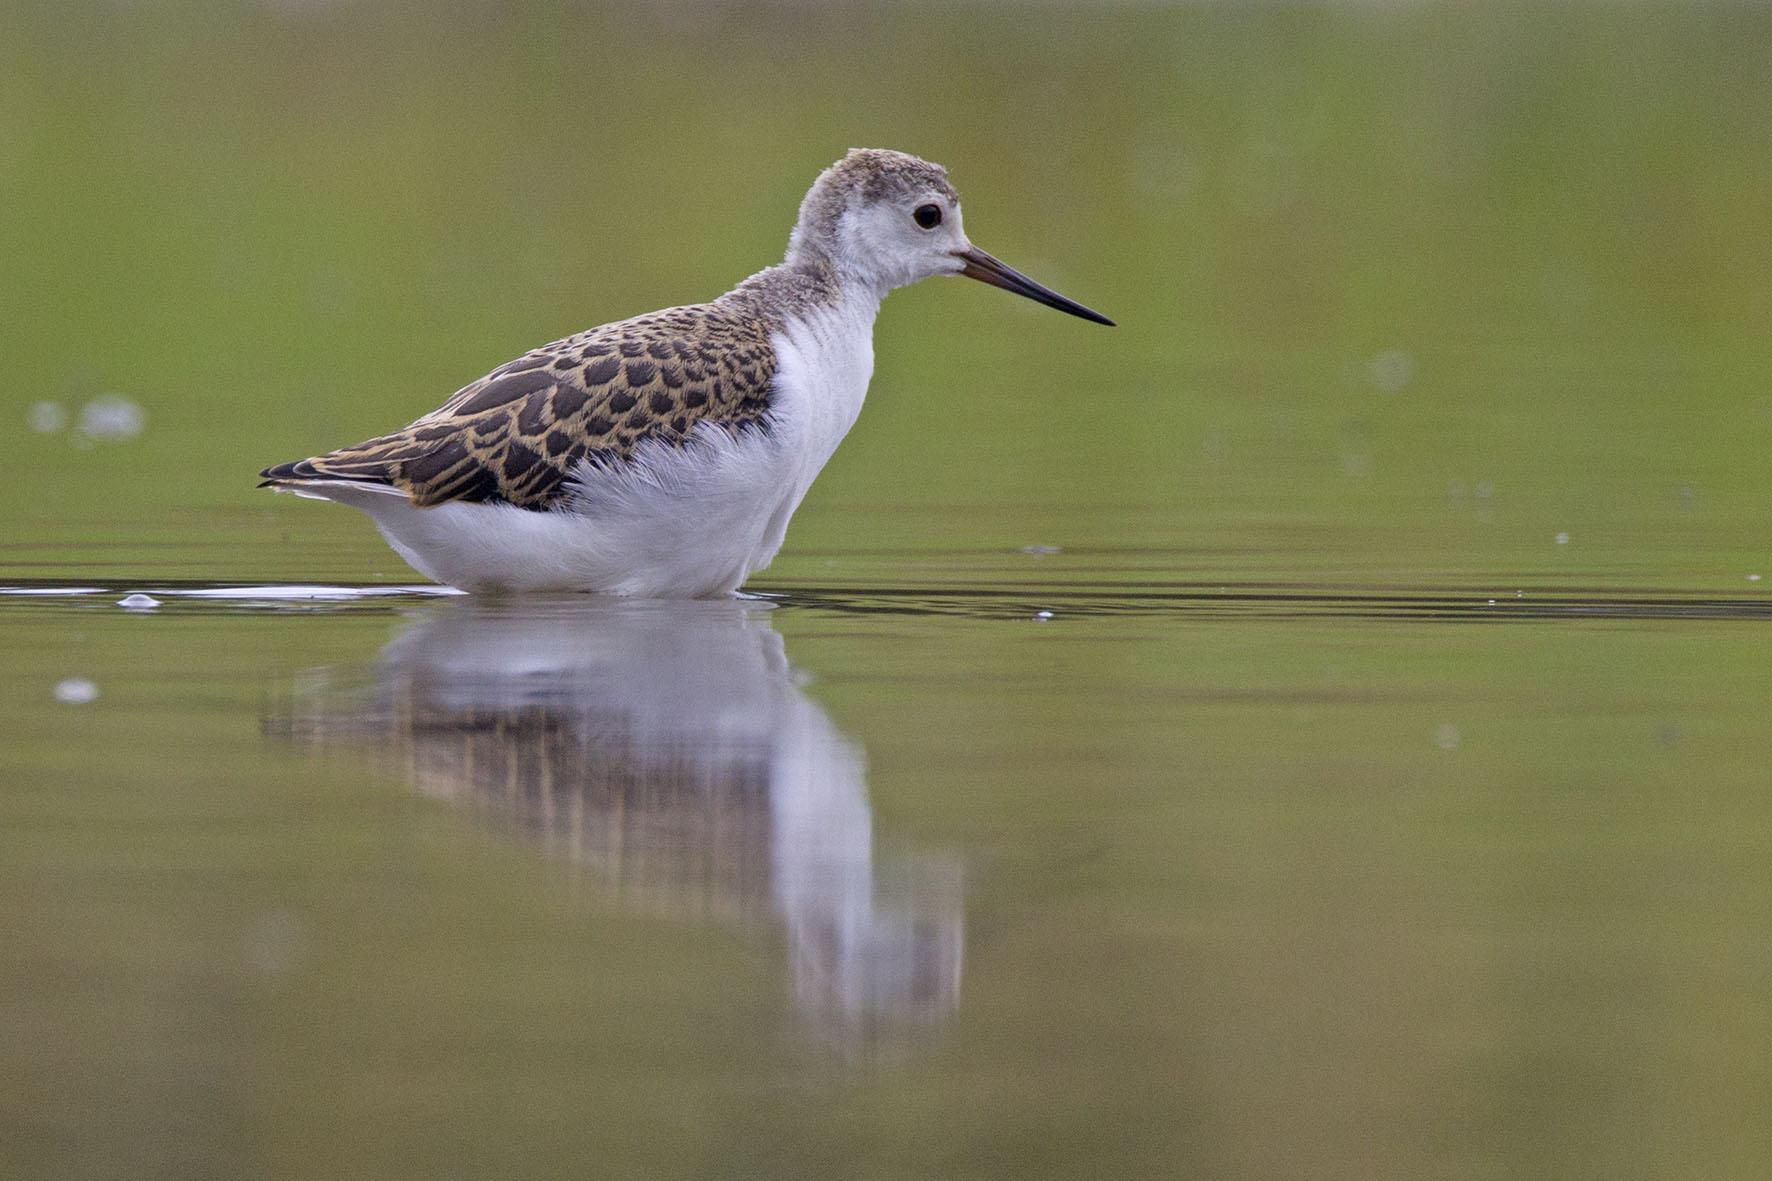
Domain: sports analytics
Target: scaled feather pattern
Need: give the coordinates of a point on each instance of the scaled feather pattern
(515, 435)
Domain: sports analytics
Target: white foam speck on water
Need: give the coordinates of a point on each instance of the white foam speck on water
(1562, 539)
(75, 691)
(112, 418)
(1753, 577)
(46, 418)
(1042, 616)
(1040, 551)
(138, 602)
(1447, 737)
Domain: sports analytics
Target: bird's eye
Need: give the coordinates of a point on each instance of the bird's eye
(928, 216)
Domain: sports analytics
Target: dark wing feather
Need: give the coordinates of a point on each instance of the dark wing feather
(515, 434)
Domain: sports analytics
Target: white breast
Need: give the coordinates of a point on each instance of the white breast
(683, 521)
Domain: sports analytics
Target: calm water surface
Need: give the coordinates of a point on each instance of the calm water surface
(982, 878)
(1318, 728)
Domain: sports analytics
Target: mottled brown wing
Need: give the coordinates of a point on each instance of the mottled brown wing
(515, 434)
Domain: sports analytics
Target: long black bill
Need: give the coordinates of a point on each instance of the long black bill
(997, 273)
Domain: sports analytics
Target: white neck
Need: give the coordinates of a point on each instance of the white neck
(825, 358)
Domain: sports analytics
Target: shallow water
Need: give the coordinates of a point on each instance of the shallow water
(961, 879)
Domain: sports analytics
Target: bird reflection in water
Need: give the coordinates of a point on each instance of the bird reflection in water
(667, 746)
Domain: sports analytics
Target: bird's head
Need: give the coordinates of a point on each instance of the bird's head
(885, 219)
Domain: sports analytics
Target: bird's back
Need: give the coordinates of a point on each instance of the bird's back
(515, 435)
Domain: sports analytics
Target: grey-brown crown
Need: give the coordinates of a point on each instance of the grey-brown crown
(868, 174)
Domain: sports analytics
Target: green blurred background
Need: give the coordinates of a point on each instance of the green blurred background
(1427, 303)
(1428, 283)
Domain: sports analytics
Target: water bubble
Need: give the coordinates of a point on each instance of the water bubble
(1446, 736)
(75, 691)
(46, 418)
(112, 417)
(1562, 539)
(1042, 616)
(138, 602)
(1391, 370)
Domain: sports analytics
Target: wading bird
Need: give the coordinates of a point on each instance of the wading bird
(664, 455)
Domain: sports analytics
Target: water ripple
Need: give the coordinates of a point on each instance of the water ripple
(1047, 603)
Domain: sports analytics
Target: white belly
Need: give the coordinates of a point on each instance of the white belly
(691, 521)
